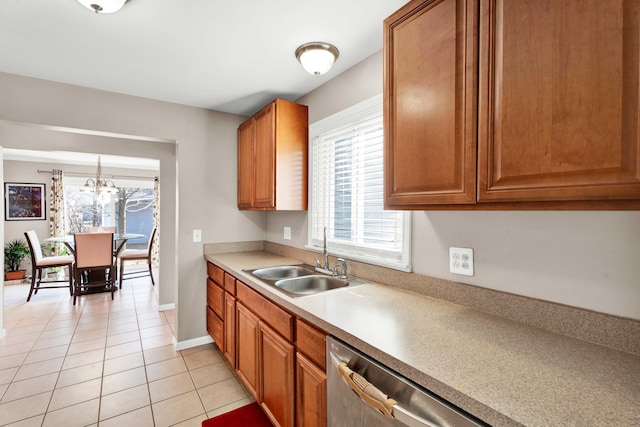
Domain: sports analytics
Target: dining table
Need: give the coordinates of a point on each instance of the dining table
(119, 240)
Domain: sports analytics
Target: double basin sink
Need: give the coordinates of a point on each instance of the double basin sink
(300, 280)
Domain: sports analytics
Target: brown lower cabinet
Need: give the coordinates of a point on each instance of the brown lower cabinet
(279, 359)
(276, 370)
(247, 348)
(311, 377)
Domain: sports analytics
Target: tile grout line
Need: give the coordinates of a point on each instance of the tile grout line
(144, 359)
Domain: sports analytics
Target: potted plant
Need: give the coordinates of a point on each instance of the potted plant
(15, 252)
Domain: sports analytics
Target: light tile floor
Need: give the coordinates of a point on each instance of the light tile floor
(105, 363)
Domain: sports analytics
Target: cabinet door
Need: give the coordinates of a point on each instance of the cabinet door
(229, 351)
(311, 394)
(559, 105)
(215, 327)
(247, 348)
(430, 98)
(265, 160)
(215, 297)
(246, 151)
(276, 386)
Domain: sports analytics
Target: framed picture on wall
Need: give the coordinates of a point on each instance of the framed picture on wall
(24, 201)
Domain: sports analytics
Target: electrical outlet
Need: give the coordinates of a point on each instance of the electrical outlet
(461, 261)
(197, 236)
(287, 233)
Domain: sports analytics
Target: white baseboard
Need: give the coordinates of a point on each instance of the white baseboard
(195, 342)
(165, 307)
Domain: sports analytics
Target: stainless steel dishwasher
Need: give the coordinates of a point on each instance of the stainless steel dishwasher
(363, 393)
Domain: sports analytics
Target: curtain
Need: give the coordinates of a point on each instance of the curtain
(155, 254)
(56, 208)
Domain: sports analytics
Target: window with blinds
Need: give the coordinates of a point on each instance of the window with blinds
(347, 191)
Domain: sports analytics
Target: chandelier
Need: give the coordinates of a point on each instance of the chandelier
(99, 186)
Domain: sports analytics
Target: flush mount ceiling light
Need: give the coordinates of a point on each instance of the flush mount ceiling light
(317, 57)
(103, 6)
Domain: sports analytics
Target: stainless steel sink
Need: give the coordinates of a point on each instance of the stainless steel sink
(283, 272)
(300, 280)
(309, 285)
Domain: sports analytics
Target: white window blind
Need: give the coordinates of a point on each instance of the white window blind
(347, 191)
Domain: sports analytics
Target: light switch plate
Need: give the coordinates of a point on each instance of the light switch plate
(197, 236)
(287, 233)
(461, 261)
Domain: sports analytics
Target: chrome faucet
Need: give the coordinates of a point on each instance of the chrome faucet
(325, 256)
(325, 251)
(326, 269)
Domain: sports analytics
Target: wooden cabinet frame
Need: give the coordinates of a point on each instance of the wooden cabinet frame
(430, 158)
(273, 158)
(490, 104)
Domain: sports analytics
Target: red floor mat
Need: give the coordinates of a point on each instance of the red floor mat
(247, 416)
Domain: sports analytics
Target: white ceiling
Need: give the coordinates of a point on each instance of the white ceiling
(232, 56)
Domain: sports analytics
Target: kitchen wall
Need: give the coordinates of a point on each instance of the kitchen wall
(584, 259)
(197, 152)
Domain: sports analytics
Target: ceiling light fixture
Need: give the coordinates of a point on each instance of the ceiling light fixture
(317, 57)
(103, 6)
(99, 186)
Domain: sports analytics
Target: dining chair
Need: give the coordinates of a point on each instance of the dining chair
(39, 263)
(95, 264)
(137, 255)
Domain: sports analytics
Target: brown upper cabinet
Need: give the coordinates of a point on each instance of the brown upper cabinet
(272, 158)
(495, 104)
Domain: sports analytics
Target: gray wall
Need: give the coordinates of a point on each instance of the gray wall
(584, 259)
(197, 152)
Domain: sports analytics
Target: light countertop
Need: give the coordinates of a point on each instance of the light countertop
(501, 371)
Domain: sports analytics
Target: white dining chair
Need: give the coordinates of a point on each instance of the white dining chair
(39, 263)
(137, 255)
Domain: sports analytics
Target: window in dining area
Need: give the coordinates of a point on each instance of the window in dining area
(129, 210)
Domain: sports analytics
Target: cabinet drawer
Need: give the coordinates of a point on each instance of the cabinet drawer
(215, 273)
(277, 318)
(215, 327)
(215, 297)
(229, 283)
(312, 343)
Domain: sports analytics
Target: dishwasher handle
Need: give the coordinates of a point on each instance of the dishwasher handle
(375, 398)
(367, 391)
